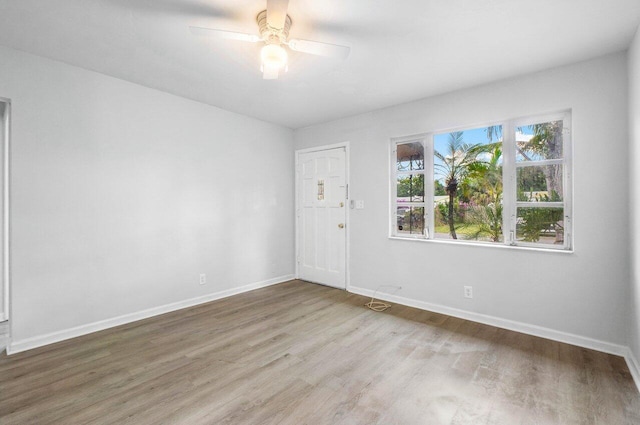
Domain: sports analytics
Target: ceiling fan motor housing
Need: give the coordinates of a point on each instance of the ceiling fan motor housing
(270, 34)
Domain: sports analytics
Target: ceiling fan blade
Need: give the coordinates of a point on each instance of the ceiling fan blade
(227, 35)
(320, 49)
(270, 72)
(191, 8)
(277, 13)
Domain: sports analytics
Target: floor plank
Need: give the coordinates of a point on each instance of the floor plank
(298, 353)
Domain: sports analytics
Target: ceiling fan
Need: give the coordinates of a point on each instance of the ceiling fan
(274, 24)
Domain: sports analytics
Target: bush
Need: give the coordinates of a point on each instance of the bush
(536, 222)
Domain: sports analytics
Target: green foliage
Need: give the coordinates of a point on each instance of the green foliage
(438, 188)
(531, 179)
(455, 164)
(442, 214)
(474, 185)
(484, 185)
(546, 141)
(486, 221)
(533, 223)
(411, 186)
(536, 222)
(459, 156)
(484, 179)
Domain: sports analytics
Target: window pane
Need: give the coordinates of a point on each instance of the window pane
(468, 171)
(540, 141)
(410, 220)
(410, 188)
(540, 225)
(540, 184)
(410, 156)
(480, 222)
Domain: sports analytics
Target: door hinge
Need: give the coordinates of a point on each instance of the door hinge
(347, 192)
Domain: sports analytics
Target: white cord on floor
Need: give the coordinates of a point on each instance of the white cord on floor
(380, 305)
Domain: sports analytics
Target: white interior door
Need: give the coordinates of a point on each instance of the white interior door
(321, 215)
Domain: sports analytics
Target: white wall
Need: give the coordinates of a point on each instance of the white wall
(122, 195)
(634, 189)
(584, 293)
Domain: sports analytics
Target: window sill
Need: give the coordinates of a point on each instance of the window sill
(483, 245)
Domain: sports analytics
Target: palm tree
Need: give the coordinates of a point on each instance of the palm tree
(487, 176)
(454, 166)
(485, 181)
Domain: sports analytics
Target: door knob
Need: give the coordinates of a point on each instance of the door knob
(341, 225)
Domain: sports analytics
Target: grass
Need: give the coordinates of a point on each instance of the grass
(467, 230)
(464, 231)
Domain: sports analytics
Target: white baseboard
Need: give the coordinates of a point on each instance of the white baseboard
(634, 367)
(581, 341)
(50, 338)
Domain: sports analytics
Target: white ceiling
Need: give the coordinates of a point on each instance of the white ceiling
(401, 49)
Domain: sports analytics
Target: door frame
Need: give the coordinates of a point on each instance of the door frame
(5, 145)
(296, 210)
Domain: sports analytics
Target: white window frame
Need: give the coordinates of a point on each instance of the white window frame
(426, 171)
(509, 182)
(567, 185)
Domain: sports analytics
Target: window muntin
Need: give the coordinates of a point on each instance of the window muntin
(514, 188)
(541, 201)
(410, 220)
(409, 189)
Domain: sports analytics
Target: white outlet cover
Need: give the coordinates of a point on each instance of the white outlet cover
(360, 205)
(468, 292)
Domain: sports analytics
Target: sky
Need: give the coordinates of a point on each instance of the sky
(472, 136)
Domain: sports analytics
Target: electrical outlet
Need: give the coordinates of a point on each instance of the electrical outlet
(203, 278)
(468, 292)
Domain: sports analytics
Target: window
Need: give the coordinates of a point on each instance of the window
(468, 190)
(409, 205)
(541, 176)
(507, 183)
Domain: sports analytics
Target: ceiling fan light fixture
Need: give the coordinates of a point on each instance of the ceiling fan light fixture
(274, 24)
(274, 56)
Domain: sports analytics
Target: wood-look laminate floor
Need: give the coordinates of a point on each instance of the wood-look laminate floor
(298, 353)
